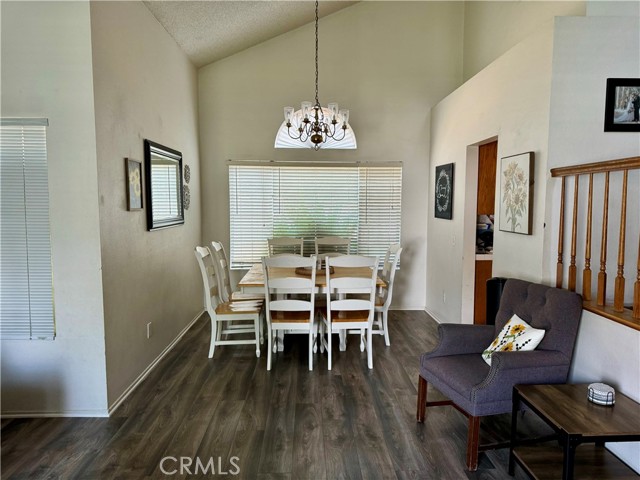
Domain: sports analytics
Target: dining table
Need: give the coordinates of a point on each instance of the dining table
(253, 282)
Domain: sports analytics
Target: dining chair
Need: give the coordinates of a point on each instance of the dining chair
(279, 245)
(227, 292)
(332, 246)
(290, 298)
(385, 294)
(350, 304)
(242, 317)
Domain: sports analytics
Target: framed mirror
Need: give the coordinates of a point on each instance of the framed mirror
(163, 168)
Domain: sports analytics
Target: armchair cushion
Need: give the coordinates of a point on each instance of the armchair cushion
(516, 336)
(458, 339)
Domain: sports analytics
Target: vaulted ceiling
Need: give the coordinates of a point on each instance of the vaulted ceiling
(208, 31)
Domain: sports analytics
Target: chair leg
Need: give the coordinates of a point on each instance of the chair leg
(385, 314)
(473, 438)
(422, 399)
(311, 350)
(214, 328)
(329, 342)
(369, 349)
(269, 346)
(256, 326)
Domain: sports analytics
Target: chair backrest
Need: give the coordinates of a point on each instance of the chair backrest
(552, 309)
(332, 246)
(352, 275)
(280, 281)
(279, 245)
(389, 272)
(209, 278)
(222, 271)
(392, 256)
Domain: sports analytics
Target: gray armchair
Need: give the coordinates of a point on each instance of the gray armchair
(456, 368)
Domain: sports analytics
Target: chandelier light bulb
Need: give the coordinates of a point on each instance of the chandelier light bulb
(345, 117)
(288, 114)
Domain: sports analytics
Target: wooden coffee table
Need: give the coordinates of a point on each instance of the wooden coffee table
(575, 420)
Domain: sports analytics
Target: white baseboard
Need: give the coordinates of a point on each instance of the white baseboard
(402, 307)
(432, 315)
(152, 365)
(66, 413)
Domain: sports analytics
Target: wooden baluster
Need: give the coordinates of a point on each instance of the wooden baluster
(560, 238)
(574, 228)
(586, 273)
(636, 287)
(618, 294)
(602, 275)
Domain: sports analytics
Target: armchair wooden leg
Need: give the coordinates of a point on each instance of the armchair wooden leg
(473, 438)
(422, 399)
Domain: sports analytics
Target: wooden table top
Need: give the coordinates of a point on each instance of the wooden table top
(255, 276)
(569, 410)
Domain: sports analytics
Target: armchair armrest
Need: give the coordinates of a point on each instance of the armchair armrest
(457, 339)
(511, 368)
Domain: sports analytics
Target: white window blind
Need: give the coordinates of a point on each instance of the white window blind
(353, 201)
(26, 297)
(166, 182)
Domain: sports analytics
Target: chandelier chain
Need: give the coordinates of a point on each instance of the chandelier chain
(317, 101)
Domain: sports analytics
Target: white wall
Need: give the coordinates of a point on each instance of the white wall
(46, 72)
(493, 27)
(588, 51)
(388, 62)
(145, 87)
(508, 99)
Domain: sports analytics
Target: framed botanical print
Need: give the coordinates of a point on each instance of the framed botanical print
(444, 191)
(516, 194)
(133, 170)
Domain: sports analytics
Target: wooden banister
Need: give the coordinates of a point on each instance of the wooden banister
(617, 310)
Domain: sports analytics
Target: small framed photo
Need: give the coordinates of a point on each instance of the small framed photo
(444, 191)
(516, 194)
(133, 170)
(622, 105)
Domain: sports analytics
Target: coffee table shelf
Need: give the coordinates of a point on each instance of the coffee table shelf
(576, 422)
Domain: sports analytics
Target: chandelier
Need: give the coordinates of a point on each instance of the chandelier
(314, 125)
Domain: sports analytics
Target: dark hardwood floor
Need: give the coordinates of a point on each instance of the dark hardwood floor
(288, 423)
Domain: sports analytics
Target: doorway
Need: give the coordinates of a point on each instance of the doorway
(485, 215)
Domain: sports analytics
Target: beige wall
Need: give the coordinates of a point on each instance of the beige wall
(507, 100)
(606, 351)
(46, 72)
(145, 87)
(388, 62)
(493, 27)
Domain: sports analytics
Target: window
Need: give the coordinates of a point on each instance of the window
(313, 200)
(26, 298)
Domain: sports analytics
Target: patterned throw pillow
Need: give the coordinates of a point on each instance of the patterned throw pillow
(516, 336)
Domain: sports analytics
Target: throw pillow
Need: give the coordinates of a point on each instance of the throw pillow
(516, 336)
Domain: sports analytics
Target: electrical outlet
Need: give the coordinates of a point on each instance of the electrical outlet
(453, 240)
(444, 297)
(149, 330)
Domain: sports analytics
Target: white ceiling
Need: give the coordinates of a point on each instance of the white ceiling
(211, 30)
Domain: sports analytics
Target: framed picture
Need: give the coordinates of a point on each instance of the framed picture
(622, 106)
(444, 191)
(516, 194)
(133, 170)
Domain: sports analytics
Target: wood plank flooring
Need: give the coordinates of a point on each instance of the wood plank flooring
(288, 423)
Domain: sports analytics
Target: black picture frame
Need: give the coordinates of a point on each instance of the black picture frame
(443, 193)
(133, 181)
(163, 182)
(622, 105)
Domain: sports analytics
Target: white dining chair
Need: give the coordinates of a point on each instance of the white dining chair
(280, 245)
(350, 291)
(241, 317)
(290, 299)
(332, 246)
(385, 294)
(227, 292)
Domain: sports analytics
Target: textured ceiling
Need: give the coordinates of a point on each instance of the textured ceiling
(210, 30)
